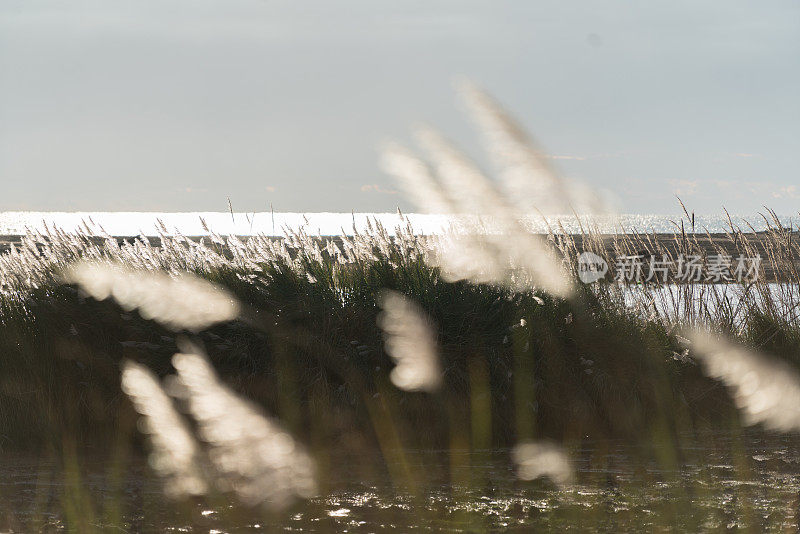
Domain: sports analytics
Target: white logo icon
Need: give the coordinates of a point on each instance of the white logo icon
(591, 267)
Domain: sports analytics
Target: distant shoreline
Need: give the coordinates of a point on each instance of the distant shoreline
(332, 224)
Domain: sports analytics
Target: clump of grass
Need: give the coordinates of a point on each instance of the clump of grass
(309, 309)
(516, 365)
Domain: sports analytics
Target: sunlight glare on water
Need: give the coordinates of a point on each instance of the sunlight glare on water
(268, 223)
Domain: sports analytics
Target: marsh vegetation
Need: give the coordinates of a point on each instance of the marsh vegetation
(467, 381)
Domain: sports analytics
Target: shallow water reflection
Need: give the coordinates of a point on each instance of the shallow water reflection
(748, 482)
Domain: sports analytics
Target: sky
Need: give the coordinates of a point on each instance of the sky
(178, 105)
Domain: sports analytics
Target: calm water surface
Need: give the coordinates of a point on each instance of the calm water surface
(727, 482)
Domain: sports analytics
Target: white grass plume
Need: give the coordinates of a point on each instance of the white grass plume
(175, 453)
(524, 170)
(765, 389)
(252, 454)
(502, 251)
(181, 301)
(416, 179)
(536, 459)
(471, 191)
(411, 342)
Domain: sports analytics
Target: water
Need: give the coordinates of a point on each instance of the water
(724, 482)
(677, 302)
(223, 223)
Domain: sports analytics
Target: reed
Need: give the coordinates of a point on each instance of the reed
(515, 364)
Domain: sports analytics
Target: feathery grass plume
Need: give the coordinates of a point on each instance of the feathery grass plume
(479, 254)
(536, 459)
(469, 256)
(528, 178)
(180, 302)
(514, 259)
(503, 241)
(470, 190)
(253, 456)
(175, 454)
(765, 389)
(411, 342)
(416, 179)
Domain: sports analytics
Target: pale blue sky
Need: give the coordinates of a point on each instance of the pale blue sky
(175, 105)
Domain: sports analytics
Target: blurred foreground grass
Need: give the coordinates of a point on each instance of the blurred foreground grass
(655, 443)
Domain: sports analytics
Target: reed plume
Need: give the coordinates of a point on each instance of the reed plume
(179, 302)
(536, 459)
(411, 342)
(175, 454)
(765, 389)
(529, 180)
(252, 455)
(497, 248)
(418, 182)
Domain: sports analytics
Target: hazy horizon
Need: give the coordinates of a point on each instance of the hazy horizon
(176, 105)
(277, 223)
